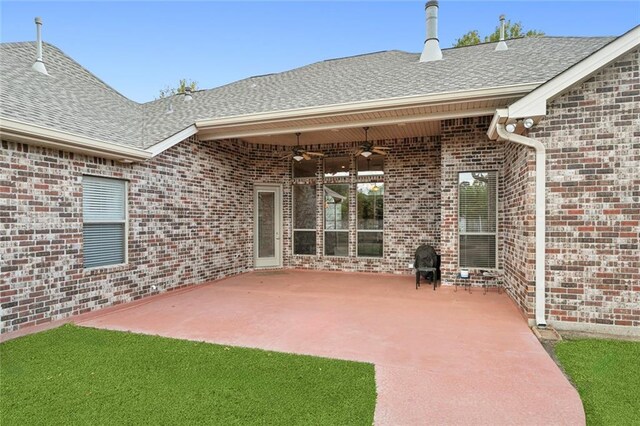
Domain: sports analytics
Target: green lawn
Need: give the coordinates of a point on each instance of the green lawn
(607, 375)
(75, 375)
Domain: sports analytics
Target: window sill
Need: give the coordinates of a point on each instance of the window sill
(94, 270)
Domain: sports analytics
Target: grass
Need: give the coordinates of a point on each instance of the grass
(75, 375)
(607, 376)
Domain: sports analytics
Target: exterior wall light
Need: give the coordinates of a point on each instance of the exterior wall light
(511, 127)
(528, 123)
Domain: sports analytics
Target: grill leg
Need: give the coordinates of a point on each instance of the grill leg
(417, 279)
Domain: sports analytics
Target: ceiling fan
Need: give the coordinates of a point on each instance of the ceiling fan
(368, 148)
(298, 153)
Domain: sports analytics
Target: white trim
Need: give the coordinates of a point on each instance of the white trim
(350, 107)
(497, 131)
(238, 134)
(173, 140)
(278, 218)
(43, 136)
(495, 234)
(535, 103)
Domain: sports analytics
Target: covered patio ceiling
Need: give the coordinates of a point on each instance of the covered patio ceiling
(388, 119)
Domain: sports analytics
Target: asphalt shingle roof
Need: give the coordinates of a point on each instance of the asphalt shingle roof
(74, 100)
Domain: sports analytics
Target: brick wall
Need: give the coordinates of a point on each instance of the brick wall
(592, 135)
(465, 147)
(517, 225)
(411, 202)
(188, 215)
(190, 221)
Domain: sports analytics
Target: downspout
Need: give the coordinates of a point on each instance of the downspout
(540, 214)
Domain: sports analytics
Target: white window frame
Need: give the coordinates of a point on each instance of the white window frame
(125, 221)
(293, 220)
(495, 234)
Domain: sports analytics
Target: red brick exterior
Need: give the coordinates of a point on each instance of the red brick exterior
(184, 228)
(592, 136)
(191, 212)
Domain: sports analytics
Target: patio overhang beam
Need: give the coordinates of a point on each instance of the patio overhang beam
(387, 111)
(294, 126)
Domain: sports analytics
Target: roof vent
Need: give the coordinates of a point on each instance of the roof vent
(38, 65)
(502, 45)
(431, 51)
(187, 94)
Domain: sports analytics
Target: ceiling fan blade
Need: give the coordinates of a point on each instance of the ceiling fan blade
(376, 151)
(381, 147)
(317, 154)
(306, 156)
(358, 152)
(289, 155)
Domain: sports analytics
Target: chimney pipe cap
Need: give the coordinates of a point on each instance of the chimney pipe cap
(502, 17)
(38, 20)
(431, 3)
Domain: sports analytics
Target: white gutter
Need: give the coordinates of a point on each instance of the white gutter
(460, 96)
(502, 134)
(19, 131)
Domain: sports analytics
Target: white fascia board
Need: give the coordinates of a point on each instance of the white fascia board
(367, 106)
(535, 103)
(206, 135)
(43, 136)
(172, 140)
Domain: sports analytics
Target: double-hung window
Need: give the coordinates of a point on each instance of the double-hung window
(477, 219)
(104, 221)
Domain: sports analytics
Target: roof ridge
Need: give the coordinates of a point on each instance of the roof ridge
(529, 37)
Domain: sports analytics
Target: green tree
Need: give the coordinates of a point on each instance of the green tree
(182, 85)
(515, 30)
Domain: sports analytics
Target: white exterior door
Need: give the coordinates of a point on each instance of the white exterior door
(267, 229)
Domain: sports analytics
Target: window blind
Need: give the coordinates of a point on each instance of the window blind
(477, 219)
(104, 220)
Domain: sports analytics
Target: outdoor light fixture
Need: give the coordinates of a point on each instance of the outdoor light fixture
(298, 157)
(511, 127)
(375, 187)
(528, 123)
(367, 152)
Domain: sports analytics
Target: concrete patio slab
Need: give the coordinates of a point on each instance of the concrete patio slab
(441, 357)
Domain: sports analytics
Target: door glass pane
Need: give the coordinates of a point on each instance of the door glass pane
(336, 206)
(266, 224)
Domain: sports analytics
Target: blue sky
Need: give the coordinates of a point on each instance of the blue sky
(140, 47)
